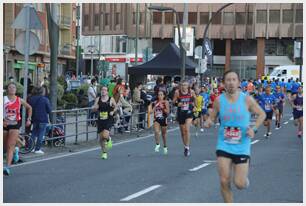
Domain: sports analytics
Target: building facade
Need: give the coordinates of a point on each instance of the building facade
(247, 37)
(39, 63)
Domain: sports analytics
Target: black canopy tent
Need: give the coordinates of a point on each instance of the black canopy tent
(167, 62)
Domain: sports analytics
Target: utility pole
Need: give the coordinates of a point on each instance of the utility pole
(78, 38)
(53, 29)
(136, 39)
(185, 22)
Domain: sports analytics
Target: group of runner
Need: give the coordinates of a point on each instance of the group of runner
(229, 103)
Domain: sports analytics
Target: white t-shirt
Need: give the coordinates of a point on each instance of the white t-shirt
(92, 90)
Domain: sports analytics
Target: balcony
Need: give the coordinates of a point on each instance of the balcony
(65, 22)
(65, 49)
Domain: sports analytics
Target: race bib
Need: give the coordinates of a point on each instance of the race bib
(267, 107)
(232, 135)
(159, 113)
(11, 117)
(299, 108)
(103, 115)
(185, 106)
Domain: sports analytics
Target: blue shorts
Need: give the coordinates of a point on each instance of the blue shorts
(204, 111)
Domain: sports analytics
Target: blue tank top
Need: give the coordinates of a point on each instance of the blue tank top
(235, 120)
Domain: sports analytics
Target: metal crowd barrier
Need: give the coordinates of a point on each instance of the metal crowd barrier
(77, 114)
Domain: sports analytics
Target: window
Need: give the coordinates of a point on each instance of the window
(192, 18)
(86, 20)
(106, 19)
(250, 18)
(181, 17)
(217, 18)
(274, 16)
(117, 18)
(157, 17)
(96, 21)
(261, 16)
(284, 72)
(287, 16)
(168, 17)
(299, 16)
(240, 17)
(228, 18)
(204, 17)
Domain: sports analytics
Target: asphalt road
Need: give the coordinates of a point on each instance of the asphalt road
(135, 173)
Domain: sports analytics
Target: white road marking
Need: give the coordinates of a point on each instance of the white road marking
(199, 167)
(142, 192)
(211, 161)
(87, 150)
(286, 122)
(255, 141)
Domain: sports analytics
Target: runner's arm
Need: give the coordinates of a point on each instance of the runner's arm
(175, 98)
(167, 109)
(95, 107)
(292, 101)
(28, 108)
(194, 99)
(213, 115)
(256, 109)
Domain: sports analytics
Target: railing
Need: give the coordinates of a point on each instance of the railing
(74, 119)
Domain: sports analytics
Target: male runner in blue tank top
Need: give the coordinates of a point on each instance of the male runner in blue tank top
(234, 144)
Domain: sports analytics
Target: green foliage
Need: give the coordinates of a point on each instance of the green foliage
(70, 98)
(83, 87)
(289, 51)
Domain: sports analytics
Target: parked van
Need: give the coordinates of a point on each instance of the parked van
(286, 72)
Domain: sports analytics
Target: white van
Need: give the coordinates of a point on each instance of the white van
(286, 72)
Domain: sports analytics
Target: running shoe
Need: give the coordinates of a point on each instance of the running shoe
(157, 148)
(104, 155)
(186, 152)
(267, 135)
(202, 130)
(109, 143)
(165, 150)
(6, 171)
(16, 155)
(39, 152)
(196, 134)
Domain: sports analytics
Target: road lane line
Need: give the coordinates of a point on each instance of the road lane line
(142, 192)
(285, 122)
(210, 161)
(199, 167)
(87, 150)
(255, 141)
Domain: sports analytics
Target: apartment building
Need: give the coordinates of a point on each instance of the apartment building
(251, 38)
(39, 65)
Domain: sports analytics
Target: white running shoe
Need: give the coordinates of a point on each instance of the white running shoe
(202, 130)
(39, 152)
(157, 148)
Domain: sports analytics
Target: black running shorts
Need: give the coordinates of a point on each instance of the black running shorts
(237, 159)
(161, 121)
(183, 115)
(269, 115)
(104, 125)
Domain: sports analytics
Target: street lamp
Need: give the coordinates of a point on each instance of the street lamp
(91, 49)
(206, 28)
(182, 50)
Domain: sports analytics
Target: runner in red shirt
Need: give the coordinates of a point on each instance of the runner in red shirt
(12, 122)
